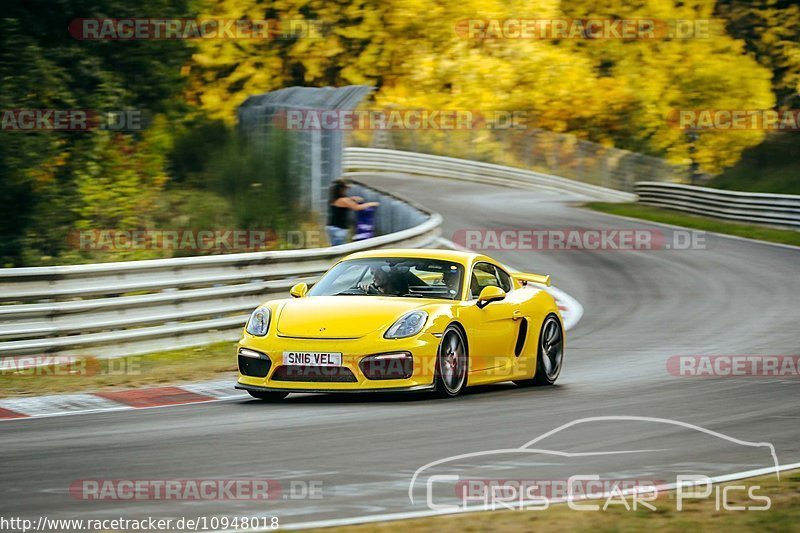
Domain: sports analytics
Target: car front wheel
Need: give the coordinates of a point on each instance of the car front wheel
(451, 363)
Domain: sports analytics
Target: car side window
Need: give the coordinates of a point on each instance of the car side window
(505, 280)
(483, 275)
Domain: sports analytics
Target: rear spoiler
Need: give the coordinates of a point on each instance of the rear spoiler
(525, 278)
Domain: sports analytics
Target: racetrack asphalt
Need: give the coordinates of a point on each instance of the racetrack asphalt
(640, 308)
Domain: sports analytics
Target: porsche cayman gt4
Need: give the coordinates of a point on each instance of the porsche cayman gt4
(404, 320)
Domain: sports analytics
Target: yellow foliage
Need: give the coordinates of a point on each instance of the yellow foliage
(609, 91)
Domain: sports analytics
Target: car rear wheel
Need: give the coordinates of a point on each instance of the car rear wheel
(268, 396)
(550, 355)
(451, 363)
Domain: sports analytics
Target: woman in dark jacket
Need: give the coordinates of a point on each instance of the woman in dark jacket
(339, 205)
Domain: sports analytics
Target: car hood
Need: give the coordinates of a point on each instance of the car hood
(327, 317)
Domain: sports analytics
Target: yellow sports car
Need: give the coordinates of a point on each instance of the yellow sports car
(404, 320)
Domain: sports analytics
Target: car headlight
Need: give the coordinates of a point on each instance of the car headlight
(258, 324)
(408, 325)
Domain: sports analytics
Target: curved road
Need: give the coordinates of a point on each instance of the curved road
(640, 308)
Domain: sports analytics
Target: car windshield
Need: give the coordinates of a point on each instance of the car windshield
(392, 276)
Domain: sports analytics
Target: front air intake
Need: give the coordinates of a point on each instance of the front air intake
(254, 364)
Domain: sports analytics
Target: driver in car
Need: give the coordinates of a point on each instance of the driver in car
(383, 282)
(451, 280)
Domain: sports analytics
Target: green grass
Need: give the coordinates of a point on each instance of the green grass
(214, 361)
(698, 515)
(677, 218)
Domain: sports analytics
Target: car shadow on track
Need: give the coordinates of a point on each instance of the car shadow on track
(472, 393)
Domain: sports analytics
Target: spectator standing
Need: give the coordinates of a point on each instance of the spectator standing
(339, 206)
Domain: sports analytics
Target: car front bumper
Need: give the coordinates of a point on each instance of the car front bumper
(423, 349)
(414, 388)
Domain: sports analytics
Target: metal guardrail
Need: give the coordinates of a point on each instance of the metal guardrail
(383, 160)
(548, 152)
(762, 208)
(113, 309)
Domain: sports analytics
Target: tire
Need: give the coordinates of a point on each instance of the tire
(268, 396)
(451, 363)
(549, 355)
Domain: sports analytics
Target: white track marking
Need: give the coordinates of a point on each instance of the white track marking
(573, 310)
(52, 405)
(221, 389)
(387, 517)
(86, 403)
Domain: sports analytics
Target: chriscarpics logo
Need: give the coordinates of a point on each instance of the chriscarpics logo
(593, 464)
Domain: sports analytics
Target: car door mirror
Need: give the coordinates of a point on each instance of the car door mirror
(490, 294)
(299, 290)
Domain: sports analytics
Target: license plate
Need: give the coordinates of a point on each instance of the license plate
(312, 358)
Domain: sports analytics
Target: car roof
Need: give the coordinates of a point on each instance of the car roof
(456, 256)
